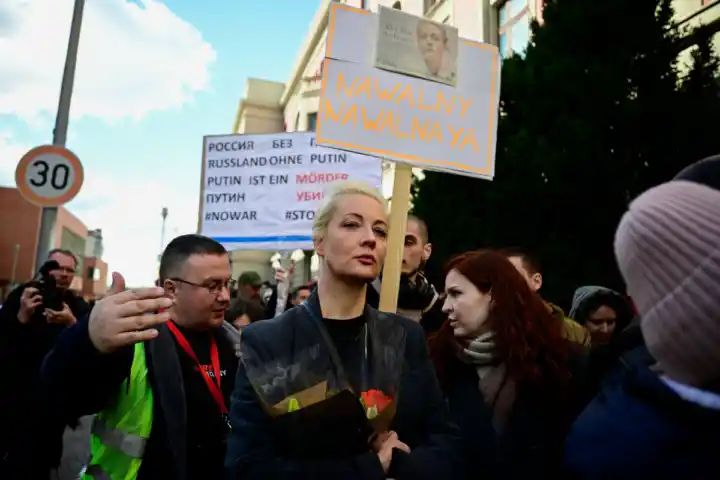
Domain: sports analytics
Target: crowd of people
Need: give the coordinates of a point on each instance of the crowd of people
(201, 378)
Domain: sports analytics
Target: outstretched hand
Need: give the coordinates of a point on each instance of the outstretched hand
(126, 317)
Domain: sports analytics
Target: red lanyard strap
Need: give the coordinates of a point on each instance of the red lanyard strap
(213, 386)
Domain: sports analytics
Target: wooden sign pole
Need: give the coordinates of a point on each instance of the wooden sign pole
(396, 239)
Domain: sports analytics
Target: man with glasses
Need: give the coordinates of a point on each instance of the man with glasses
(30, 443)
(157, 365)
(29, 307)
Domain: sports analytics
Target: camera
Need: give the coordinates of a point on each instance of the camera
(47, 287)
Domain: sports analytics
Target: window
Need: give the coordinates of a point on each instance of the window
(397, 6)
(520, 34)
(514, 27)
(93, 274)
(312, 122)
(515, 7)
(69, 240)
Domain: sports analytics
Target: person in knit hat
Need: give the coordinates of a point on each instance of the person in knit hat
(663, 421)
(605, 313)
(705, 171)
(629, 343)
(602, 311)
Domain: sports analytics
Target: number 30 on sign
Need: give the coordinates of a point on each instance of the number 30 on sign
(49, 176)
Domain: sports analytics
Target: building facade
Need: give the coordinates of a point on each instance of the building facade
(18, 245)
(269, 107)
(292, 106)
(700, 18)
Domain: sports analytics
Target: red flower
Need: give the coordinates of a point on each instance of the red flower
(375, 398)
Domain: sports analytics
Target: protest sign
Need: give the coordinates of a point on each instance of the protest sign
(261, 192)
(449, 126)
(407, 119)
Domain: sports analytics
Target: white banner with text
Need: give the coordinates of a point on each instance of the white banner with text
(260, 192)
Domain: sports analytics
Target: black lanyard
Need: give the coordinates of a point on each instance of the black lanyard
(332, 349)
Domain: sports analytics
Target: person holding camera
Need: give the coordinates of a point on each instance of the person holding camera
(49, 298)
(31, 320)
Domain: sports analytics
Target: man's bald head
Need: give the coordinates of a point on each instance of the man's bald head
(417, 246)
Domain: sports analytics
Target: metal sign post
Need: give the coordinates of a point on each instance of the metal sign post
(49, 214)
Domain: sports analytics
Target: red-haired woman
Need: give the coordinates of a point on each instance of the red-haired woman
(505, 370)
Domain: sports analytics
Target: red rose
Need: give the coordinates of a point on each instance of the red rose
(375, 398)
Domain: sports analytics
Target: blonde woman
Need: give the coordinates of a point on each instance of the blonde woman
(291, 416)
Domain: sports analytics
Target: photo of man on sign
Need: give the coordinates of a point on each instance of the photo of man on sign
(416, 46)
(432, 42)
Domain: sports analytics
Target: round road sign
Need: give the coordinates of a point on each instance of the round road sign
(49, 176)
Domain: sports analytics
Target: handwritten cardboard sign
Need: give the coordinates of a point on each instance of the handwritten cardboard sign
(404, 118)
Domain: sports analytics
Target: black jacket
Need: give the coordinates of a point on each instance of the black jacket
(421, 420)
(83, 381)
(640, 428)
(25, 427)
(422, 297)
(531, 443)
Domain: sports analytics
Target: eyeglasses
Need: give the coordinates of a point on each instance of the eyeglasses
(213, 288)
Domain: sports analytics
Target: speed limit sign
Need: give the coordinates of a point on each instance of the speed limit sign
(49, 176)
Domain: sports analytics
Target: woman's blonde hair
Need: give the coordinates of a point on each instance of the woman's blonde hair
(332, 196)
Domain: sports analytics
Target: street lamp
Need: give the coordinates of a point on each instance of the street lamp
(164, 214)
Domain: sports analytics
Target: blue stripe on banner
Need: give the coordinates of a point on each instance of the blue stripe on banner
(277, 238)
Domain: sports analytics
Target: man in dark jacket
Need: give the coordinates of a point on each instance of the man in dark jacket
(161, 382)
(31, 320)
(249, 285)
(529, 267)
(418, 299)
(663, 423)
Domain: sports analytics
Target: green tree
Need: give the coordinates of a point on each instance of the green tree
(594, 113)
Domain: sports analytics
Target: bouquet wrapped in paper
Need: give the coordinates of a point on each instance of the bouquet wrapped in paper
(315, 411)
(381, 385)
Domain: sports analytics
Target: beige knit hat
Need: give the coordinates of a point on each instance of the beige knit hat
(668, 249)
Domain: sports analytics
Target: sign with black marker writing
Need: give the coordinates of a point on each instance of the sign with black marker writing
(260, 192)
